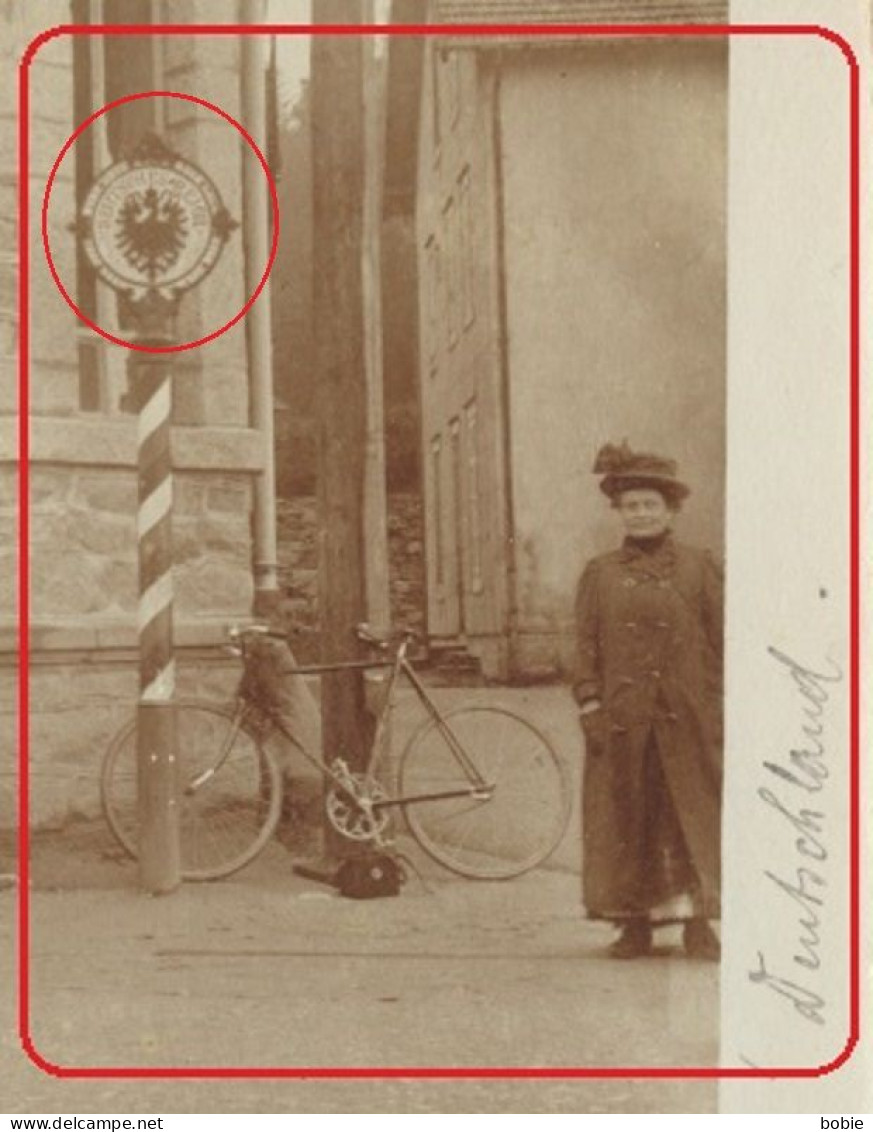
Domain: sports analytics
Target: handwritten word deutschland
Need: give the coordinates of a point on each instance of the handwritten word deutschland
(801, 781)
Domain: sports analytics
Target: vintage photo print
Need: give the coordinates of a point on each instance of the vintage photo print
(434, 637)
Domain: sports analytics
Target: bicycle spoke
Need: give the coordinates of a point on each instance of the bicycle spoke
(477, 803)
(526, 810)
(229, 817)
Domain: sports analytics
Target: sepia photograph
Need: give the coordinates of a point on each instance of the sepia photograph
(404, 384)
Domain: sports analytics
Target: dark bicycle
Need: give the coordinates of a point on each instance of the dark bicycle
(481, 789)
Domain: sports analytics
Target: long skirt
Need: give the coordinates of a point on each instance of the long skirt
(635, 859)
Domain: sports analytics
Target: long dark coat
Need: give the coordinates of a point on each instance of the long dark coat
(649, 648)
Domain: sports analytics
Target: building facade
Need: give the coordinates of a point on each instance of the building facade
(83, 480)
(570, 225)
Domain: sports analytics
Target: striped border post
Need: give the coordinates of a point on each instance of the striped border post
(132, 209)
(157, 767)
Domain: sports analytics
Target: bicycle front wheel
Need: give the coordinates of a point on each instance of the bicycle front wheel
(226, 816)
(512, 803)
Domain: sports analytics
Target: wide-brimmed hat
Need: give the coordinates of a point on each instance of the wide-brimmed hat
(625, 470)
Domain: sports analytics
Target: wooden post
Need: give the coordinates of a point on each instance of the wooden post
(341, 398)
(378, 599)
(375, 497)
(256, 244)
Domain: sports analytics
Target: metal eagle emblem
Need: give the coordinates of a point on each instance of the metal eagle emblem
(151, 231)
(153, 224)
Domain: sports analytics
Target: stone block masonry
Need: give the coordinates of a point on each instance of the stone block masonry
(298, 566)
(83, 605)
(406, 560)
(82, 553)
(83, 544)
(79, 699)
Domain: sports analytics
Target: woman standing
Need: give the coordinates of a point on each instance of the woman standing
(649, 618)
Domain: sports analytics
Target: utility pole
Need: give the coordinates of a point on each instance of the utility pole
(375, 492)
(341, 385)
(256, 232)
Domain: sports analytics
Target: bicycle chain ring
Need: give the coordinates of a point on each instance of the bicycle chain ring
(349, 807)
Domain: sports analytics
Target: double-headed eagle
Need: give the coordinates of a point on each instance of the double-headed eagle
(150, 230)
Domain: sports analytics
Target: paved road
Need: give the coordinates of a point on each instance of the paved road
(267, 970)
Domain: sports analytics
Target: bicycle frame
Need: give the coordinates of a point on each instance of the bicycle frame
(400, 667)
(453, 763)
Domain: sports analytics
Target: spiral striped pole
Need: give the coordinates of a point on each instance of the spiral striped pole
(157, 767)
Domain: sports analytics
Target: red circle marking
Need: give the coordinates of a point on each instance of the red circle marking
(271, 183)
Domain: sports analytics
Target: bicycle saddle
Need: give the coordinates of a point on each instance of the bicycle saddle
(383, 638)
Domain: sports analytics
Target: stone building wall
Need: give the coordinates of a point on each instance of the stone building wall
(83, 553)
(406, 560)
(298, 566)
(83, 550)
(79, 699)
(90, 515)
(83, 586)
(83, 684)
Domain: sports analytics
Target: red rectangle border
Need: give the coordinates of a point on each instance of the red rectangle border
(425, 1072)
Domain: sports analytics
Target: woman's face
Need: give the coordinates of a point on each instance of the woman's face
(644, 512)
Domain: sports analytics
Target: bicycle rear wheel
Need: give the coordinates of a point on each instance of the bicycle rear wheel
(226, 819)
(521, 813)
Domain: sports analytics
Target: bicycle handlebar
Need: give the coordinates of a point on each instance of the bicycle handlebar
(238, 635)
